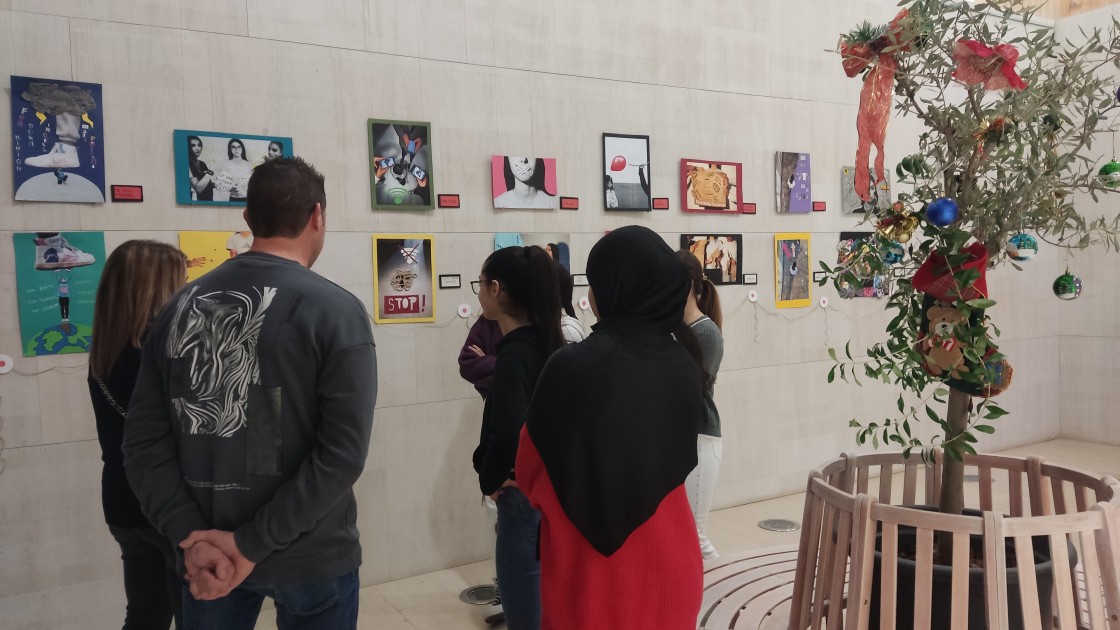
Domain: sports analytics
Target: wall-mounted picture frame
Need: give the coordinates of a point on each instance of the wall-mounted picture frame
(403, 278)
(850, 201)
(57, 274)
(213, 168)
(711, 186)
(523, 182)
(58, 141)
(402, 173)
(792, 288)
(793, 183)
(855, 253)
(206, 251)
(555, 244)
(626, 174)
(450, 281)
(719, 255)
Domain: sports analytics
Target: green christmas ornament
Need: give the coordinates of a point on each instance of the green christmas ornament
(1109, 175)
(1067, 286)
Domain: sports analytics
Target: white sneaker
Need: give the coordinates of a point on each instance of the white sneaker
(62, 155)
(53, 252)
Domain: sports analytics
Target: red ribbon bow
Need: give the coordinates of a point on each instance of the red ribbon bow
(875, 98)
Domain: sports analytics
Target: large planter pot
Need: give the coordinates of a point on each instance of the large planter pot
(942, 596)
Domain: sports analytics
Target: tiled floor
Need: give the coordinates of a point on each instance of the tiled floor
(431, 601)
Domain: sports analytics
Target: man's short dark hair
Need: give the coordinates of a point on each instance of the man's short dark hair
(282, 195)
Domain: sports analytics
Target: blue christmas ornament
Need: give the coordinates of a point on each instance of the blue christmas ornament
(1021, 247)
(942, 211)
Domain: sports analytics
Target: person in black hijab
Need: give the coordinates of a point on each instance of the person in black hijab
(608, 442)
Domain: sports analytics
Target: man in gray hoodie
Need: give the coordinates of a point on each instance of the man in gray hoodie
(251, 421)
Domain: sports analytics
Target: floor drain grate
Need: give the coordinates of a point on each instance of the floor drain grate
(479, 595)
(779, 525)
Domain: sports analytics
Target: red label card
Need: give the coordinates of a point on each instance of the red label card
(127, 193)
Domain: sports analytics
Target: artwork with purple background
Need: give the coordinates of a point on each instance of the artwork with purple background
(793, 182)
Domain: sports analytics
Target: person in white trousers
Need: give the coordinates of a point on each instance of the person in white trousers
(703, 315)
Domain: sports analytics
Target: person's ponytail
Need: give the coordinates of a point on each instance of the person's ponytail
(708, 302)
(542, 303)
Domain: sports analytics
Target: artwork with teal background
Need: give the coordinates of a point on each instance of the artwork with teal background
(56, 278)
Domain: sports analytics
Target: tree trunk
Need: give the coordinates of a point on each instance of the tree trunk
(952, 473)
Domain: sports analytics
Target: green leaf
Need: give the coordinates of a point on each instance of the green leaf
(901, 405)
(832, 353)
(981, 303)
(984, 428)
(848, 349)
(932, 414)
(832, 374)
(993, 412)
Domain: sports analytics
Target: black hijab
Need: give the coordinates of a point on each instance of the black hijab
(615, 416)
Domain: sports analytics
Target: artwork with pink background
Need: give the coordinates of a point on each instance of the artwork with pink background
(523, 182)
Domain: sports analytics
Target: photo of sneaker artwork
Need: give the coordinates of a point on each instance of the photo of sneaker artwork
(58, 140)
(56, 280)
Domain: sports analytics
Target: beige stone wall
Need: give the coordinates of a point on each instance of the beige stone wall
(729, 81)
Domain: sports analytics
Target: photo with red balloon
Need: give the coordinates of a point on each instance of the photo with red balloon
(626, 176)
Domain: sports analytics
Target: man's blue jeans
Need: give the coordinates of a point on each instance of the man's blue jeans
(329, 603)
(515, 556)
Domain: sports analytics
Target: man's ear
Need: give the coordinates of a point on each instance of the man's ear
(318, 217)
(245, 217)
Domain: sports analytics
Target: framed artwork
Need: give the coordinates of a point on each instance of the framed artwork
(400, 164)
(626, 176)
(404, 278)
(791, 269)
(58, 141)
(793, 182)
(854, 247)
(554, 244)
(880, 192)
(710, 186)
(56, 277)
(206, 250)
(719, 255)
(213, 169)
(523, 182)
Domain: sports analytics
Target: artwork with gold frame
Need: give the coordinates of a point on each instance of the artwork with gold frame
(792, 288)
(404, 273)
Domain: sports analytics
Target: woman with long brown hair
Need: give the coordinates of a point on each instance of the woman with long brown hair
(704, 317)
(138, 279)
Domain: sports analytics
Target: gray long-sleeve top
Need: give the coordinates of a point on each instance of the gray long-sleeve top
(711, 344)
(252, 413)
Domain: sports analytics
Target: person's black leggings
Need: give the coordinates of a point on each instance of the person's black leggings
(152, 587)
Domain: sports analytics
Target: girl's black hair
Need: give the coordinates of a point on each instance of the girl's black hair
(528, 276)
(190, 155)
(706, 297)
(564, 280)
(536, 181)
